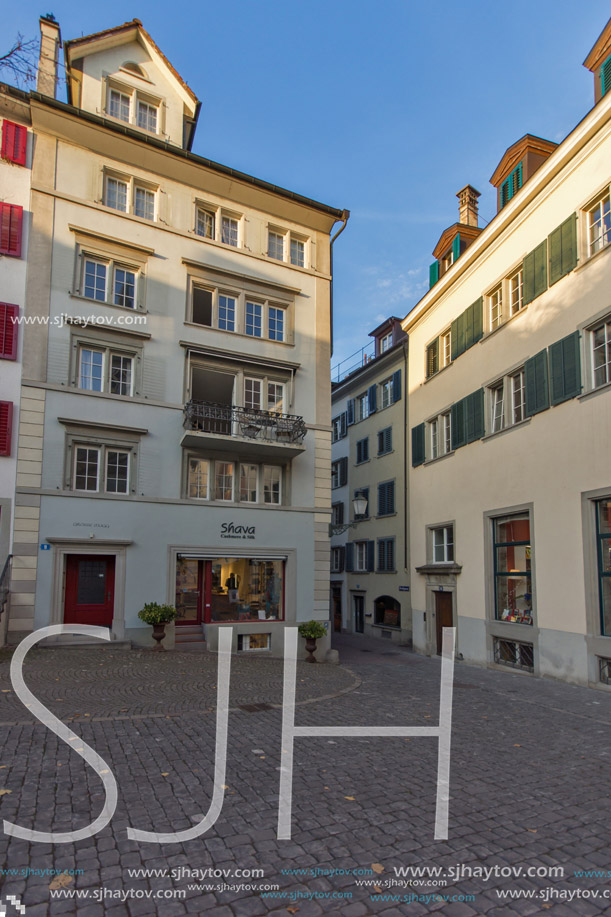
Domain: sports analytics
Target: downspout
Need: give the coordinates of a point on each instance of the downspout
(344, 218)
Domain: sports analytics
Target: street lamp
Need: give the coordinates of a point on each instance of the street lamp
(359, 505)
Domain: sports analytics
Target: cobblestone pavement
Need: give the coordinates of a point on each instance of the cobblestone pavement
(529, 790)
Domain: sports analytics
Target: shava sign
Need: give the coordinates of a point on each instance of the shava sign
(230, 530)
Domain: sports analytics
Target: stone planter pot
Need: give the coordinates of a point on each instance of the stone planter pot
(159, 635)
(310, 645)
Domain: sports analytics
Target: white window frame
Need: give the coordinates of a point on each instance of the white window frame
(132, 185)
(495, 308)
(386, 342)
(446, 542)
(496, 394)
(603, 324)
(269, 310)
(135, 98)
(513, 411)
(361, 406)
(360, 557)
(515, 405)
(103, 452)
(445, 348)
(249, 466)
(276, 472)
(603, 237)
(107, 352)
(192, 459)
(434, 437)
(111, 266)
(276, 244)
(515, 306)
(260, 306)
(282, 247)
(385, 393)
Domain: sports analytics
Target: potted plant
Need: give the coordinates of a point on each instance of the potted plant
(158, 616)
(312, 631)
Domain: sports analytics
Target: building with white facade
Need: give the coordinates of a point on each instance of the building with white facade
(510, 413)
(178, 381)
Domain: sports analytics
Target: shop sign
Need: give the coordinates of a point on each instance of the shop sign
(230, 530)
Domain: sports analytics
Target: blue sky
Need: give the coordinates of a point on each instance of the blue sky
(386, 108)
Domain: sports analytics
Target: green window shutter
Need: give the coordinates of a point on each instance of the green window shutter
(535, 272)
(605, 76)
(528, 277)
(536, 383)
(371, 556)
(432, 358)
(477, 319)
(458, 424)
(396, 386)
(456, 247)
(349, 557)
(458, 335)
(474, 411)
(563, 249)
(418, 455)
(454, 337)
(565, 369)
(433, 274)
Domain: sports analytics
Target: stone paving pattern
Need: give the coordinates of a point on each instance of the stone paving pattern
(529, 781)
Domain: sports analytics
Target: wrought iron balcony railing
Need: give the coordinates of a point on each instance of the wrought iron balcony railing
(229, 420)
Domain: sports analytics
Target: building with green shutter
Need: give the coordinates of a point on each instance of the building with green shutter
(369, 539)
(509, 390)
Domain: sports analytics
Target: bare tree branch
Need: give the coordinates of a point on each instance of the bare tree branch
(20, 61)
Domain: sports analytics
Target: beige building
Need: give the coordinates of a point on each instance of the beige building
(510, 413)
(369, 544)
(176, 443)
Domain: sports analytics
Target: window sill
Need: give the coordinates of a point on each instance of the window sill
(590, 258)
(503, 324)
(443, 568)
(386, 515)
(594, 391)
(439, 458)
(439, 371)
(240, 334)
(137, 310)
(513, 426)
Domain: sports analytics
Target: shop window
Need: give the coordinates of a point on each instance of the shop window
(243, 589)
(387, 611)
(603, 532)
(512, 569)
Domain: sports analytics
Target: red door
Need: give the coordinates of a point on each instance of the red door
(90, 589)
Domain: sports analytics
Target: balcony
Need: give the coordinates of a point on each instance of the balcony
(244, 431)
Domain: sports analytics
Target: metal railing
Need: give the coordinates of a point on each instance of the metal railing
(5, 577)
(230, 420)
(355, 361)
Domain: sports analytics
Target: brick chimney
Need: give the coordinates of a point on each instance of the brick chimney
(467, 205)
(50, 39)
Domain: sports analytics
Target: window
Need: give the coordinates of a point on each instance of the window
(385, 394)
(250, 643)
(603, 535)
(516, 293)
(229, 230)
(362, 406)
(297, 252)
(601, 354)
(6, 427)
(337, 560)
(275, 397)
(223, 480)
(339, 428)
(446, 432)
(385, 441)
(8, 331)
(248, 483)
(514, 653)
(434, 435)
(386, 342)
(445, 348)
(199, 479)
(511, 185)
(14, 142)
(386, 498)
(101, 468)
(128, 195)
(276, 324)
(387, 611)
(497, 407)
(147, 116)
(362, 493)
(102, 370)
(337, 514)
(109, 282)
(272, 476)
(386, 555)
(119, 105)
(362, 450)
(432, 358)
(339, 472)
(227, 307)
(443, 544)
(275, 245)
(254, 311)
(495, 308)
(252, 394)
(242, 589)
(518, 400)
(360, 557)
(512, 569)
(436, 441)
(11, 221)
(599, 224)
(204, 223)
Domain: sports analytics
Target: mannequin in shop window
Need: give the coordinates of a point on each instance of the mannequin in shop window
(232, 584)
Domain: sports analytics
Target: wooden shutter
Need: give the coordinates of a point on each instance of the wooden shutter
(6, 426)
(396, 386)
(8, 331)
(534, 274)
(474, 416)
(343, 471)
(605, 76)
(456, 247)
(536, 384)
(384, 440)
(565, 369)
(343, 425)
(341, 558)
(455, 336)
(349, 557)
(433, 274)
(371, 397)
(475, 322)
(457, 414)
(418, 454)
(371, 556)
(563, 249)
(350, 412)
(14, 142)
(11, 216)
(432, 358)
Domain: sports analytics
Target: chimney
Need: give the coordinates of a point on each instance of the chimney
(50, 38)
(467, 205)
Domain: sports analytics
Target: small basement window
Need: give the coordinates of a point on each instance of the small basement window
(250, 643)
(515, 654)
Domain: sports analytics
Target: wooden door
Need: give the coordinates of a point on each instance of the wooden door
(359, 614)
(90, 589)
(443, 615)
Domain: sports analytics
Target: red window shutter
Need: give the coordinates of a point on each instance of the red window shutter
(14, 142)
(8, 331)
(11, 219)
(6, 426)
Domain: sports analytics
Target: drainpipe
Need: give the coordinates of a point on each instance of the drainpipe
(344, 218)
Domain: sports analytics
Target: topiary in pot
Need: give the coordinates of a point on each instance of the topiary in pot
(312, 631)
(158, 616)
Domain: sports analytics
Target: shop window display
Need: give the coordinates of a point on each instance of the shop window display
(512, 569)
(232, 588)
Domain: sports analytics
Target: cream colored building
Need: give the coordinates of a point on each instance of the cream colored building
(510, 413)
(178, 423)
(369, 552)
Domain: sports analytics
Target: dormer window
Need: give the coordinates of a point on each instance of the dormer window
(386, 342)
(511, 185)
(118, 105)
(133, 107)
(147, 116)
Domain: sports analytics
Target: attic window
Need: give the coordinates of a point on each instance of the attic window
(511, 185)
(134, 68)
